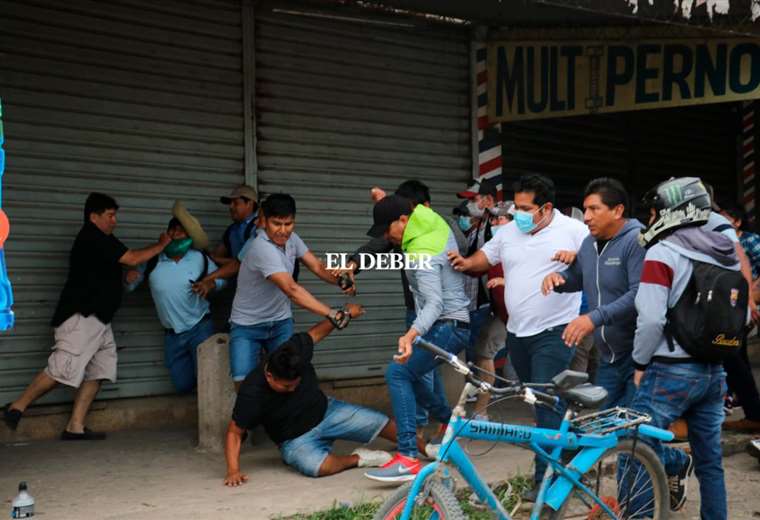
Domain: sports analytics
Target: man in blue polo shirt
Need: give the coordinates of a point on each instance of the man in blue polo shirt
(244, 213)
(184, 314)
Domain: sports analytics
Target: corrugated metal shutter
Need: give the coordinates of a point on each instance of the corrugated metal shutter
(134, 98)
(640, 148)
(343, 106)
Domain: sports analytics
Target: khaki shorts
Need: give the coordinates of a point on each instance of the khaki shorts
(492, 339)
(84, 351)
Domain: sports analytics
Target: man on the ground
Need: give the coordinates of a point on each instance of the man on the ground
(283, 395)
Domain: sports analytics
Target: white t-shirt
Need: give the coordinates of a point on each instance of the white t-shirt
(526, 260)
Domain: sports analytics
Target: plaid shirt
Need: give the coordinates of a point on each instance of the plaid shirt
(751, 244)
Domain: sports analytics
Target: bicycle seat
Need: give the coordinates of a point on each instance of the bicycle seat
(568, 379)
(585, 396)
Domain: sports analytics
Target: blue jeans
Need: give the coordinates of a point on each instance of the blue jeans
(694, 391)
(617, 379)
(432, 378)
(478, 318)
(248, 343)
(537, 359)
(342, 421)
(181, 354)
(407, 387)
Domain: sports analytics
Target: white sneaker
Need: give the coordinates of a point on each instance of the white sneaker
(372, 458)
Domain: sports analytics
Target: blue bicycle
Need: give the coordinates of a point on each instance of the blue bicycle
(608, 471)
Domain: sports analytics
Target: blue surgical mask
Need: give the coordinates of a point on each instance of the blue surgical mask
(495, 229)
(464, 223)
(524, 221)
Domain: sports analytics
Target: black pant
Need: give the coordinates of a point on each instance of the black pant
(740, 381)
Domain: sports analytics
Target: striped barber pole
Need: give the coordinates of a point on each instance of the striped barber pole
(489, 136)
(748, 159)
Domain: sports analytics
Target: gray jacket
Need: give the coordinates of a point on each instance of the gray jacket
(667, 271)
(609, 279)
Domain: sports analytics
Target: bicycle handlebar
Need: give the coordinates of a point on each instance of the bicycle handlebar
(530, 393)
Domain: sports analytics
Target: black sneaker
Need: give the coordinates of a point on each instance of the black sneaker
(11, 416)
(678, 485)
(86, 435)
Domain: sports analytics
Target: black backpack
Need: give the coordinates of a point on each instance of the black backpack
(151, 265)
(709, 318)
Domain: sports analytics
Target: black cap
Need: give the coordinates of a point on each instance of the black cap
(387, 210)
(488, 187)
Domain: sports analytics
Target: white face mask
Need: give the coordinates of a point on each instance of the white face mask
(474, 210)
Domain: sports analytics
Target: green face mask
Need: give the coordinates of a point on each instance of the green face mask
(178, 247)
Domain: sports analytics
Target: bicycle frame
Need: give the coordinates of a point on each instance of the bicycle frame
(547, 444)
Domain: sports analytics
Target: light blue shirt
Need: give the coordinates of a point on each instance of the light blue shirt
(258, 299)
(178, 307)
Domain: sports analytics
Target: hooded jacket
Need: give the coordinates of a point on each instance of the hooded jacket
(438, 290)
(610, 279)
(666, 273)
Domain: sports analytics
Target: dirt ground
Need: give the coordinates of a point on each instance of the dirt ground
(160, 475)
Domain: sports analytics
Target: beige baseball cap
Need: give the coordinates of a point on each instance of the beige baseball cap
(192, 227)
(241, 191)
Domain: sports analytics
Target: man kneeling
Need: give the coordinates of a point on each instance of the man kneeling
(283, 395)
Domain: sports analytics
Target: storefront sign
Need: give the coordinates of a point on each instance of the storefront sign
(531, 80)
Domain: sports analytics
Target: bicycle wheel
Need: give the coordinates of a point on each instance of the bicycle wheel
(633, 485)
(440, 504)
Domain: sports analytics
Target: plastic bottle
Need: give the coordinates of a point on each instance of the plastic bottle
(23, 505)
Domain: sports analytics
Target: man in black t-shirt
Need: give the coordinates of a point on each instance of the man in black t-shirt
(84, 354)
(283, 396)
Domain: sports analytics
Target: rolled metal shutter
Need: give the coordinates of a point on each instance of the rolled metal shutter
(345, 105)
(134, 98)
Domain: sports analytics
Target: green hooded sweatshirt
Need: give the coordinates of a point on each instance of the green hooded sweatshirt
(426, 232)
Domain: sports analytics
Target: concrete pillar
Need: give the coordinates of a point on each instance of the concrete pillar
(216, 392)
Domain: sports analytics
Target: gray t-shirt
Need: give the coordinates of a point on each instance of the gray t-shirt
(258, 299)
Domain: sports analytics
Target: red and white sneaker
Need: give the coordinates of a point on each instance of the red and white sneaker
(399, 469)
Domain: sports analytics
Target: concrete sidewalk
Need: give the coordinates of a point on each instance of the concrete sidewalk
(147, 475)
(161, 475)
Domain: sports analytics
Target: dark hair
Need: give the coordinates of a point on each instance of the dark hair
(279, 205)
(737, 213)
(610, 190)
(98, 203)
(285, 362)
(541, 186)
(415, 191)
(174, 223)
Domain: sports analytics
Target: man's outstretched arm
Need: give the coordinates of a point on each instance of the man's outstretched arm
(232, 454)
(322, 329)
